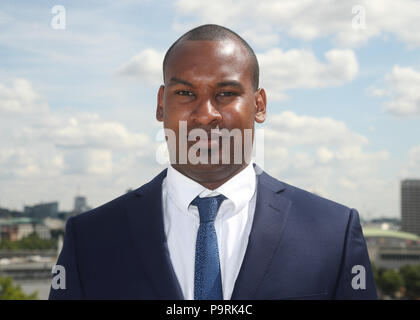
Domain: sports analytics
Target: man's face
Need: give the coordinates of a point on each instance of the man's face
(208, 84)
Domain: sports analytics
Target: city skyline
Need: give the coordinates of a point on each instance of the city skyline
(77, 104)
(52, 208)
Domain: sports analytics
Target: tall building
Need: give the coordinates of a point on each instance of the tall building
(42, 210)
(410, 206)
(80, 205)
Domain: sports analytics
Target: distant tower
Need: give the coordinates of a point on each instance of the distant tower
(410, 206)
(80, 205)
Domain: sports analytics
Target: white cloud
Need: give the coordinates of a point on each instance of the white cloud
(261, 40)
(402, 87)
(28, 162)
(34, 121)
(411, 170)
(290, 129)
(48, 153)
(310, 19)
(324, 156)
(347, 184)
(21, 99)
(146, 66)
(282, 70)
(89, 131)
(88, 161)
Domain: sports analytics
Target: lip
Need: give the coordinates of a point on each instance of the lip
(215, 139)
(206, 143)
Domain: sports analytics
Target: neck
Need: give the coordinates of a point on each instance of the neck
(211, 179)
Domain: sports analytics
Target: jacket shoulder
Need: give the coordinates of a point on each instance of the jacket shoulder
(114, 208)
(308, 203)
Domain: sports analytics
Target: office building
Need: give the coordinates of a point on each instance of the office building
(80, 205)
(391, 249)
(41, 211)
(410, 206)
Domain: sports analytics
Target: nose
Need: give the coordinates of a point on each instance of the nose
(206, 114)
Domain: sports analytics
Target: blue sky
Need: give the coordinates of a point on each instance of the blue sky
(77, 105)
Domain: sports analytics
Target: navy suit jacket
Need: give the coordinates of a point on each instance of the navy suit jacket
(301, 246)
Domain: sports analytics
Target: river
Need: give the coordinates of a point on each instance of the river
(42, 285)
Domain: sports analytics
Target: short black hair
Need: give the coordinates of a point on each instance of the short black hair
(214, 32)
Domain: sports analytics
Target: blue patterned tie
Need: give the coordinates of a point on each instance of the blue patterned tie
(207, 276)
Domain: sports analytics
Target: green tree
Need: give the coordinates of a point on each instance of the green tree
(9, 291)
(30, 242)
(377, 273)
(390, 282)
(6, 244)
(411, 276)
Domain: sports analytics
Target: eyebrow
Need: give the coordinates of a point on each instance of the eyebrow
(230, 83)
(175, 80)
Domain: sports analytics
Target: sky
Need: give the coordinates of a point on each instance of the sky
(78, 86)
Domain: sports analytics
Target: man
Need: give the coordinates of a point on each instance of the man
(216, 228)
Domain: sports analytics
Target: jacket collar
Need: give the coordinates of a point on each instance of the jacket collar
(271, 213)
(145, 216)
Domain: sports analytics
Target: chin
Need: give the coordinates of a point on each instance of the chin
(202, 167)
(211, 172)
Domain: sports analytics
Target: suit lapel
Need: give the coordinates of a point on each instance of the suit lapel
(270, 217)
(145, 217)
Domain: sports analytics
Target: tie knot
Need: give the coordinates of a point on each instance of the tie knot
(208, 207)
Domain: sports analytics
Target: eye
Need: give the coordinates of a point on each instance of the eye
(227, 94)
(184, 93)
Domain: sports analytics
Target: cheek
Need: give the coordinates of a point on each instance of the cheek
(172, 117)
(238, 116)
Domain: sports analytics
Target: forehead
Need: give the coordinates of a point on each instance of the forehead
(209, 61)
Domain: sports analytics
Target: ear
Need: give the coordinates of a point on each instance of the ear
(260, 105)
(159, 108)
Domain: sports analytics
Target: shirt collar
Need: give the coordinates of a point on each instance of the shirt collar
(239, 189)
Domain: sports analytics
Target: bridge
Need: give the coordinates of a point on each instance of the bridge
(26, 253)
(28, 271)
(27, 264)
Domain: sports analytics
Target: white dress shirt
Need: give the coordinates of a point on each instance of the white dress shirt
(233, 224)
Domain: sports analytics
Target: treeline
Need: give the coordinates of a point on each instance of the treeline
(10, 291)
(402, 283)
(30, 242)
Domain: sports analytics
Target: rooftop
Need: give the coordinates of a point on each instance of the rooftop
(20, 220)
(376, 232)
